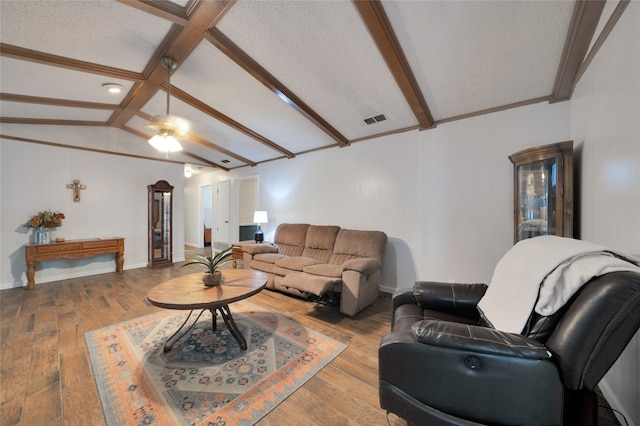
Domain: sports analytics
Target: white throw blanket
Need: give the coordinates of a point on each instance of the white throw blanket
(543, 273)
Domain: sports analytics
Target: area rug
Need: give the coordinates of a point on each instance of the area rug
(205, 379)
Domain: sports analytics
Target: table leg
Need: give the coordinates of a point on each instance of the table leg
(232, 327)
(31, 275)
(214, 318)
(120, 262)
(168, 344)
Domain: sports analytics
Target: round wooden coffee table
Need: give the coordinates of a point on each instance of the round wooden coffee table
(189, 293)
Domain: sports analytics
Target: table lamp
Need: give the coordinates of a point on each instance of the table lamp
(259, 216)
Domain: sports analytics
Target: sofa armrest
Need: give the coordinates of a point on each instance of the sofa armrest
(364, 265)
(450, 298)
(402, 296)
(259, 248)
(455, 378)
(478, 339)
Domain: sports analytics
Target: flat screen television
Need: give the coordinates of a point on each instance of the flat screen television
(248, 232)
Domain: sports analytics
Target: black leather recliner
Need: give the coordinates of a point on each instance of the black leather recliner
(443, 365)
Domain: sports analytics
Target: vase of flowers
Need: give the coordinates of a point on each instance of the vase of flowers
(43, 223)
(42, 235)
(213, 276)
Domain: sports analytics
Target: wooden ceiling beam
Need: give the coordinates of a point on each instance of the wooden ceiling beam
(197, 139)
(178, 45)
(50, 121)
(226, 46)
(586, 15)
(184, 152)
(81, 148)
(611, 23)
(10, 97)
(205, 161)
(376, 20)
(196, 103)
(59, 61)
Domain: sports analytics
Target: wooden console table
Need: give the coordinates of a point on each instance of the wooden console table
(72, 249)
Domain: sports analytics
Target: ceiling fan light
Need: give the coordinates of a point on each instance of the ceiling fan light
(169, 124)
(168, 128)
(165, 142)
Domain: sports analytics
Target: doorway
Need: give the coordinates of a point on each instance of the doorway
(206, 197)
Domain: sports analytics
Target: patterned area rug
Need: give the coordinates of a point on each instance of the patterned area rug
(205, 379)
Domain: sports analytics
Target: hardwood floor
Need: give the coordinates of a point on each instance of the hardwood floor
(46, 376)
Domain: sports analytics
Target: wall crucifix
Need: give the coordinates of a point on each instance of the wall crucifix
(76, 186)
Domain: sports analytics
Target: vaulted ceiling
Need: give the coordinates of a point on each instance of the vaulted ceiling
(263, 80)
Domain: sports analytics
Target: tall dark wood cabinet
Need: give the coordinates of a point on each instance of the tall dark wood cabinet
(543, 191)
(159, 224)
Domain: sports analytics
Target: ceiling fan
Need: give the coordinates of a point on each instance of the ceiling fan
(169, 129)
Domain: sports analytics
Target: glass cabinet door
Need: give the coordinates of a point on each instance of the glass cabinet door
(537, 189)
(542, 191)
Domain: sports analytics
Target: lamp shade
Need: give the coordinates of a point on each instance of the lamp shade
(260, 216)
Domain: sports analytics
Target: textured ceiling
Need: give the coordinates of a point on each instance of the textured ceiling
(261, 80)
(481, 54)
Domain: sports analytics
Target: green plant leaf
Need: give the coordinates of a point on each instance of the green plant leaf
(211, 263)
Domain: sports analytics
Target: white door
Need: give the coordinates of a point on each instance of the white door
(222, 237)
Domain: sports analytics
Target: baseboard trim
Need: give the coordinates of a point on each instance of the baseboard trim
(385, 289)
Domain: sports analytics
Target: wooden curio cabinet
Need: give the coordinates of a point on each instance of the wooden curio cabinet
(543, 191)
(159, 224)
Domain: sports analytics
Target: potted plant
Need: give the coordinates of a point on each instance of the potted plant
(212, 263)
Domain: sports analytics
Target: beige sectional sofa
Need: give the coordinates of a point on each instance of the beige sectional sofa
(309, 260)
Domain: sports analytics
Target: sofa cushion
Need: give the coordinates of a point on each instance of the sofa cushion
(269, 257)
(269, 268)
(320, 241)
(314, 284)
(325, 269)
(321, 237)
(351, 244)
(290, 238)
(295, 263)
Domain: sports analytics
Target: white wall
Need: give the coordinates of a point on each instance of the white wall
(605, 117)
(443, 196)
(34, 178)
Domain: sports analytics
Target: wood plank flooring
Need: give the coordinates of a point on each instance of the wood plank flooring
(46, 376)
